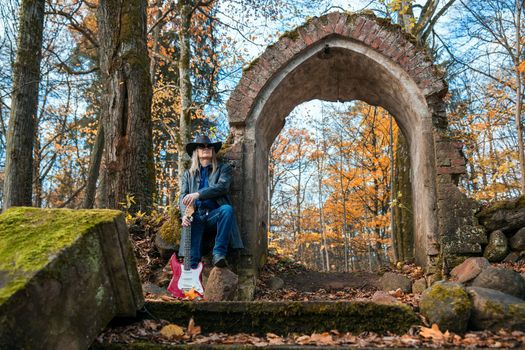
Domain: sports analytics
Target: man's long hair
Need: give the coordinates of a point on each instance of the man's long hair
(195, 168)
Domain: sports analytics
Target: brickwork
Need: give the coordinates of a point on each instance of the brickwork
(342, 57)
(381, 35)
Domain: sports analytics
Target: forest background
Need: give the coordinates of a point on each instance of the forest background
(333, 169)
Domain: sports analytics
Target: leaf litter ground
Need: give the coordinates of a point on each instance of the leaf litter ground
(300, 284)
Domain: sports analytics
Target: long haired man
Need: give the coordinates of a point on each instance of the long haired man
(206, 185)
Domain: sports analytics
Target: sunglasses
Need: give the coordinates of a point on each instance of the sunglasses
(204, 146)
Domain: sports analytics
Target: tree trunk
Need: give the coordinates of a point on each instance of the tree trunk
(519, 125)
(128, 162)
(37, 184)
(155, 39)
(185, 86)
(343, 194)
(321, 217)
(24, 104)
(392, 190)
(94, 167)
(403, 229)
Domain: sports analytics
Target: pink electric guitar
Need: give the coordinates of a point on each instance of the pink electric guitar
(186, 282)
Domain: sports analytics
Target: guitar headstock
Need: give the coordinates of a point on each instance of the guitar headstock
(190, 209)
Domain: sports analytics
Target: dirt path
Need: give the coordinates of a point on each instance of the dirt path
(311, 281)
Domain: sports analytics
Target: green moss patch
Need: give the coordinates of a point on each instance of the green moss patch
(30, 238)
(516, 203)
(170, 231)
(288, 317)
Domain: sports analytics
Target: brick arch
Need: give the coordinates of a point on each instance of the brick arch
(343, 57)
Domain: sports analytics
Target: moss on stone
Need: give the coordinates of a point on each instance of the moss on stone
(170, 230)
(224, 150)
(517, 311)
(516, 203)
(30, 238)
(459, 298)
(286, 317)
(251, 64)
(291, 34)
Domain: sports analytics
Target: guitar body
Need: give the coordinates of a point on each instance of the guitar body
(184, 280)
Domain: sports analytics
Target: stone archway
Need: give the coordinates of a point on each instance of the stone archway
(343, 57)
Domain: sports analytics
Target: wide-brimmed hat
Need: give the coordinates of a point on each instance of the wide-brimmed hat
(202, 140)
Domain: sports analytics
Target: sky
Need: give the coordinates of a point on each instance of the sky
(259, 32)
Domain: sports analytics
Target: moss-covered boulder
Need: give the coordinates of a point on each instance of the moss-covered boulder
(64, 274)
(448, 305)
(507, 216)
(493, 310)
(498, 247)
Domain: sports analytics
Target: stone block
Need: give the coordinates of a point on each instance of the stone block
(64, 275)
(513, 257)
(507, 216)
(493, 310)
(275, 283)
(393, 281)
(221, 285)
(505, 280)
(498, 247)
(448, 305)
(419, 285)
(284, 317)
(383, 298)
(517, 241)
(458, 247)
(469, 269)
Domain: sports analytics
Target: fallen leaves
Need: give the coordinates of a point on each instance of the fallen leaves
(148, 330)
(193, 330)
(434, 333)
(192, 294)
(172, 331)
(157, 333)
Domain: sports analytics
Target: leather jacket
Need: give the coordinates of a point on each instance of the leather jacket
(218, 189)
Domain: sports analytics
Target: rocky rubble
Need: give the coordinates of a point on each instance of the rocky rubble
(479, 297)
(505, 223)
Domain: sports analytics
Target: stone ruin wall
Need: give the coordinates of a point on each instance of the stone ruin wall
(458, 233)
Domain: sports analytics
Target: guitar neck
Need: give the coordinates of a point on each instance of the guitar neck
(186, 233)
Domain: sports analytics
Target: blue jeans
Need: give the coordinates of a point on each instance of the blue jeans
(223, 219)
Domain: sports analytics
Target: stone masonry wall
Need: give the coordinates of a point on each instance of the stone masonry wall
(457, 231)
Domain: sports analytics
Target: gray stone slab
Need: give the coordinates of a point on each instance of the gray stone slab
(65, 275)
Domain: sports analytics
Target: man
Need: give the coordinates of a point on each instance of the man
(206, 186)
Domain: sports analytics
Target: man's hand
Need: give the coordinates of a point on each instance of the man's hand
(186, 221)
(190, 199)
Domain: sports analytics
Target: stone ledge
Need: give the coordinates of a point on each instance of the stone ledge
(287, 317)
(64, 275)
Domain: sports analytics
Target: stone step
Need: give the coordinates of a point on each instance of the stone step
(282, 318)
(285, 317)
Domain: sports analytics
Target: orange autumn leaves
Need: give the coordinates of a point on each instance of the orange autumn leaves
(353, 147)
(488, 135)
